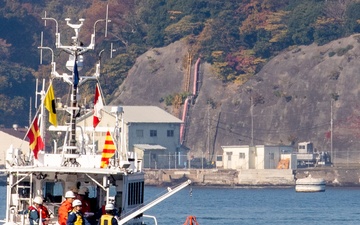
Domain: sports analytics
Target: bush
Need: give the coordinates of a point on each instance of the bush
(343, 51)
(331, 54)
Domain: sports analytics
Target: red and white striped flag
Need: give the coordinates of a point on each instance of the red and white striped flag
(98, 106)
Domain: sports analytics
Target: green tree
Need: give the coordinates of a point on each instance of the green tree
(17, 84)
(327, 30)
(352, 15)
(301, 20)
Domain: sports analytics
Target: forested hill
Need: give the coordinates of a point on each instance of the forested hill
(237, 38)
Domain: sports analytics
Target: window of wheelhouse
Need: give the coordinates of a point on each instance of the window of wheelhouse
(136, 193)
(52, 192)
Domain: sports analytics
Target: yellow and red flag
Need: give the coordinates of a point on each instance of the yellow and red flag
(35, 141)
(108, 151)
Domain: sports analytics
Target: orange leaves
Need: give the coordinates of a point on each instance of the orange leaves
(237, 65)
(256, 12)
(269, 21)
(244, 62)
(321, 21)
(261, 15)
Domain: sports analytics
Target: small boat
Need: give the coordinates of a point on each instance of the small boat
(310, 184)
(112, 176)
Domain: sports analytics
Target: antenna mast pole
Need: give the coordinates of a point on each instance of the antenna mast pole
(76, 51)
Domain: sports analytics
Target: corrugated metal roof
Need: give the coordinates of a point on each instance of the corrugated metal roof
(146, 114)
(149, 147)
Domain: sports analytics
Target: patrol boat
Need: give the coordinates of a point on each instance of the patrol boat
(310, 184)
(112, 175)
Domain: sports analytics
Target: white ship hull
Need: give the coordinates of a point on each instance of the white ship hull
(310, 184)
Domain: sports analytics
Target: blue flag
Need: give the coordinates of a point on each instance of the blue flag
(76, 75)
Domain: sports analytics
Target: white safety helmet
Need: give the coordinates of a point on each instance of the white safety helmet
(38, 200)
(76, 202)
(69, 194)
(109, 207)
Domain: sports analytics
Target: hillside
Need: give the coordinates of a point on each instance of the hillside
(288, 89)
(236, 37)
(291, 98)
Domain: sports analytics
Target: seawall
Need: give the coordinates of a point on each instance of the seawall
(334, 176)
(223, 178)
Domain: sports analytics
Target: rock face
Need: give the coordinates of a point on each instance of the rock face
(291, 98)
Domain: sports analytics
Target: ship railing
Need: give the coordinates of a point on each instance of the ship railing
(131, 215)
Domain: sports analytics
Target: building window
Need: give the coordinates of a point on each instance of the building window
(139, 133)
(271, 155)
(170, 133)
(153, 133)
(229, 155)
(153, 156)
(241, 155)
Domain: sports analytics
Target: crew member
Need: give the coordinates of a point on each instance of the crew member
(37, 211)
(75, 190)
(86, 205)
(84, 198)
(65, 207)
(109, 217)
(75, 216)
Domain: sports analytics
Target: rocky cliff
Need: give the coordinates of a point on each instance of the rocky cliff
(288, 101)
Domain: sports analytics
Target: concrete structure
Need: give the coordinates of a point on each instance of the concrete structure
(15, 137)
(149, 131)
(217, 177)
(256, 157)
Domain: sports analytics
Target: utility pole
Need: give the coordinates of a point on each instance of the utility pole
(252, 120)
(331, 130)
(249, 91)
(208, 131)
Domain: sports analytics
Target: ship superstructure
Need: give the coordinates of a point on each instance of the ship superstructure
(77, 163)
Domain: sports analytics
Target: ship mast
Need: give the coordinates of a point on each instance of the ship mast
(75, 63)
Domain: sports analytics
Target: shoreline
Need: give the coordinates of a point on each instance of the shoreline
(274, 178)
(348, 177)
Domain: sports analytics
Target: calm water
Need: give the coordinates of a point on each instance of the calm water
(214, 206)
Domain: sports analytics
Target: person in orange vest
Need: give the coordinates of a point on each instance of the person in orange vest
(109, 217)
(37, 211)
(65, 207)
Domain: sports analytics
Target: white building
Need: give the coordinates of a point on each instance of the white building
(257, 157)
(149, 131)
(14, 137)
